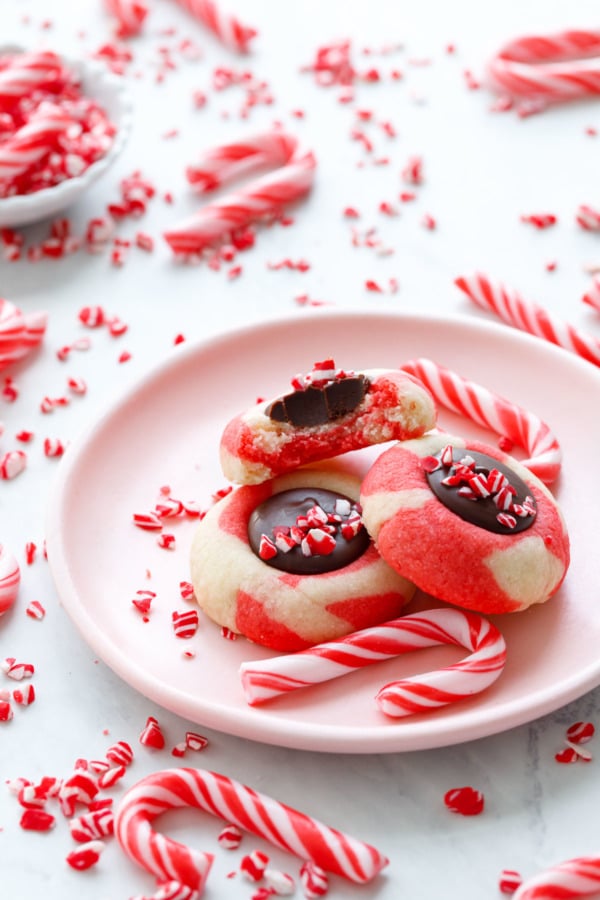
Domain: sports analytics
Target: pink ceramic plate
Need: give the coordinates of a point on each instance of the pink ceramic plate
(166, 431)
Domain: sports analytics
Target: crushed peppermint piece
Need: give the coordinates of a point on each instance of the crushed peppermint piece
(185, 624)
(465, 801)
(152, 735)
(230, 837)
(253, 865)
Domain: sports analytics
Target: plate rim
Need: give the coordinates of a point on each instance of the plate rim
(316, 736)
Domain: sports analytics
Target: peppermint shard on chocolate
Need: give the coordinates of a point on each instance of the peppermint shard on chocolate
(327, 412)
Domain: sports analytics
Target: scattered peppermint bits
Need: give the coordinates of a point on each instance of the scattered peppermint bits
(576, 734)
(465, 801)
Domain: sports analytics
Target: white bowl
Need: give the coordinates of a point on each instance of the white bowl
(110, 93)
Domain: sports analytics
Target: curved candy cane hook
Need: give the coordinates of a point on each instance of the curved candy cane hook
(237, 804)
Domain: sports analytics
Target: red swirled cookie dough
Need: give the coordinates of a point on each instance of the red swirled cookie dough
(281, 609)
(327, 413)
(517, 556)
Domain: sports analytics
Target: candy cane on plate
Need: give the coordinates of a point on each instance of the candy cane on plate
(10, 577)
(568, 880)
(239, 805)
(34, 140)
(508, 305)
(551, 67)
(270, 678)
(225, 27)
(492, 411)
(264, 197)
(129, 16)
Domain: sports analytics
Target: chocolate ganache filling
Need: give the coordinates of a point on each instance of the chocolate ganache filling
(307, 531)
(321, 403)
(481, 490)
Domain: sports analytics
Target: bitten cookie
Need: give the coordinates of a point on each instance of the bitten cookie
(466, 523)
(288, 563)
(327, 413)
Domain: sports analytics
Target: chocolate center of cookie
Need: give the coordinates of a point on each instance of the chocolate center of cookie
(481, 490)
(319, 404)
(307, 531)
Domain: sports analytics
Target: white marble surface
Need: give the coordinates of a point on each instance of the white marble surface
(482, 171)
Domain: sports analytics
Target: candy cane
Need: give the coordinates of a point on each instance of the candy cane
(26, 72)
(492, 411)
(10, 577)
(270, 678)
(226, 28)
(238, 805)
(555, 68)
(34, 140)
(129, 16)
(19, 332)
(568, 880)
(510, 306)
(266, 196)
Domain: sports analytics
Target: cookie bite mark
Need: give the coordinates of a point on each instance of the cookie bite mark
(329, 412)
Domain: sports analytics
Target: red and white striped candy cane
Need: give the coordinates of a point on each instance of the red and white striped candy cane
(270, 678)
(129, 16)
(34, 140)
(568, 880)
(264, 197)
(492, 411)
(227, 28)
(508, 305)
(19, 332)
(239, 805)
(221, 165)
(25, 72)
(10, 577)
(555, 68)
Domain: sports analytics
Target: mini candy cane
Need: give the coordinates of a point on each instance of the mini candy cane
(554, 68)
(26, 72)
(568, 880)
(129, 16)
(34, 140)
(10, 577)
(226, 28)
(270, 678)
(492, 411)
(266, 196)
(510, 306)
(239, 805)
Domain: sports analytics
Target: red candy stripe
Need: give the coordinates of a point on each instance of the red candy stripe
(239, 805)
